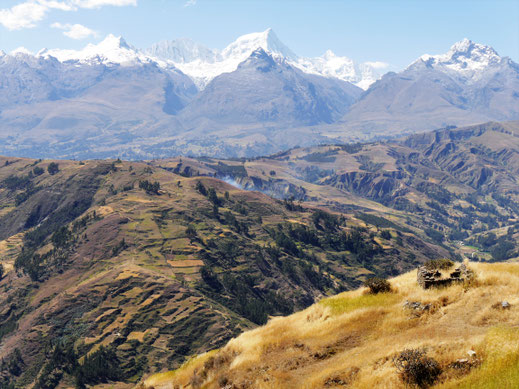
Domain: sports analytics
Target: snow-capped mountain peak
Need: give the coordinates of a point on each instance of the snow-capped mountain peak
(242, 47)
(334, 66)
(113, 49)
(203, 64)
(465, 59)
(20, 50)
(182, 50)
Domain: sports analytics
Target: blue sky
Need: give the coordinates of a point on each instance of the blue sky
(396, 32)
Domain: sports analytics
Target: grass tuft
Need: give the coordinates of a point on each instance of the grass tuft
(340, 305)
(500, 367)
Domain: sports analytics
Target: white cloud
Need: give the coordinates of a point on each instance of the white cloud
(190, 3)
(24, 15)
(28, 13)
(74, 31)
(378, 65)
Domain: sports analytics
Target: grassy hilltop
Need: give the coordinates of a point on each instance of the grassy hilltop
(352, 340)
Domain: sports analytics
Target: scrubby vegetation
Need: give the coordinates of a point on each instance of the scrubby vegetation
(377, 285)
(416, 368)
(439, 264)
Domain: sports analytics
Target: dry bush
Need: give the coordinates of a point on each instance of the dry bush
(377, 285)
(416, 368)
(196, 380)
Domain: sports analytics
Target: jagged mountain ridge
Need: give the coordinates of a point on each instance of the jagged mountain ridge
(251, 94)
(111, 86)
(470, 83)
(203, 64)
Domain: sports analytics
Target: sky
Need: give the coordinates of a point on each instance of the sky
(392, 31)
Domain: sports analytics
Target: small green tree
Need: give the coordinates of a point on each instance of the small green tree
(38, 171)
(1, 271)
(385, 234)
(211, 195)
(53, 168)
(201, 188)
(191, 233)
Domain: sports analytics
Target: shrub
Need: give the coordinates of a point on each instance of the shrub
(439, 264)
(416, 368)
(191, 233)
(385, 234)
(201, 188)
(377, 285)
(37, 171)
(150, 187)
(437, 236)
(53, 168)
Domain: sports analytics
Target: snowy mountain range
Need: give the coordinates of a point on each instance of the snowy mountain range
(256, 96)
(203, 64)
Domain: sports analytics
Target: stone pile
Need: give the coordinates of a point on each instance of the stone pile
(428, 278)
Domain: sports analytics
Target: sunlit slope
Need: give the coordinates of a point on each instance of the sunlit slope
(156, 267)
(350, 340)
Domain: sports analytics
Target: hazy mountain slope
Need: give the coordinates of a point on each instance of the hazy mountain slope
(460, 185)
(469, 84)
(96, 254)
(85, 107)
(112, 100)
(352, 340)
(265, 90)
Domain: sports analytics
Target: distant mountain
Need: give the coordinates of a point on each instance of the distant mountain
(203, 64)
(255, 97)
(266, 89)
(471, 83)
(79, 104)
(183, 50)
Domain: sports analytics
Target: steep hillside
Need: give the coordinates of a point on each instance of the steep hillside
(115, 269)
(457, 186)
(461, 337)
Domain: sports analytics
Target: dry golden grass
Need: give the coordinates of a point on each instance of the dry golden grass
(351, 339)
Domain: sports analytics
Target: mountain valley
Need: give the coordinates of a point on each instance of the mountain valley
(137, 266)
